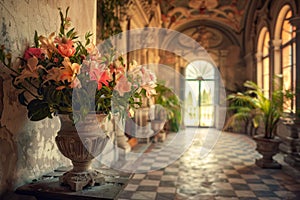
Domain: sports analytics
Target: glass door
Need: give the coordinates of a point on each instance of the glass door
(199, 95)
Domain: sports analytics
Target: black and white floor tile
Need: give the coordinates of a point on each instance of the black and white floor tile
(227, 172)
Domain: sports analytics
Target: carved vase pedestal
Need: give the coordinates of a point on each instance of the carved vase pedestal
(119, 130)
(81, 143)
(157, 126)
(267, 148)
(143, 129)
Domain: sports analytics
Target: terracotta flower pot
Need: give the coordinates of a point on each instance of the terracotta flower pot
(81, 143)
(267, 148)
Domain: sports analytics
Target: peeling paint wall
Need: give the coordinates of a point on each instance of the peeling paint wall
(28, 149)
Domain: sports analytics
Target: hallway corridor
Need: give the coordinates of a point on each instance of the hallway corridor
(228, 172)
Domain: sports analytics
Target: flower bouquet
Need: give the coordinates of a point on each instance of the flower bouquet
(61, 74)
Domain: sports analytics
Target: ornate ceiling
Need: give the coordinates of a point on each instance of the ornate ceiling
(178, 12)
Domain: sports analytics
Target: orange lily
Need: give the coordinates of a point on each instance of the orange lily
(30, 70)
(69, 71)
(47, 44)
(53, 74)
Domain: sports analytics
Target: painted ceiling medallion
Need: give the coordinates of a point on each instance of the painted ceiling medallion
(205, 36)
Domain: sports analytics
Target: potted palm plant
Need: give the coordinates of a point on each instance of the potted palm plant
(265, 112)
(242, 116)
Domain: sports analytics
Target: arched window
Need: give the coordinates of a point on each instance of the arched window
(263, 61)
(286, 32)
(200, 94)
(288, 57)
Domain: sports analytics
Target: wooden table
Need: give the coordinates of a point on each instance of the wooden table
(48, 187)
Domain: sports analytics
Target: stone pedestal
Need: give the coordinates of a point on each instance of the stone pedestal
(49, 188)
(143, 130)
(290, 146)
(121, 138)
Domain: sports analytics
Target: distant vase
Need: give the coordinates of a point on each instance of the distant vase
(267, 148)
(81, 143)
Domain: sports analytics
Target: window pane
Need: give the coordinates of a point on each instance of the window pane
(288, 59)
(191, 103)
(287, 78)
(287, 29)
(266, 44)
(266, 77)
(286, 56)
(206, 104)
(263, 66)
(259, 75)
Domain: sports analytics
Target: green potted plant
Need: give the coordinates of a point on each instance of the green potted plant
(169, 100)
(266, 112)
(242, 114)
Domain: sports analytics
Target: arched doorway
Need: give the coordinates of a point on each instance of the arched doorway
(200, 94)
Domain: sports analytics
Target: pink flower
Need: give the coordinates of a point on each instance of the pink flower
(99, 74)
(123, 85)
(55, 60)
(30, 52)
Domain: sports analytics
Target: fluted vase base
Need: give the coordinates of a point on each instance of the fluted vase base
(81, 144)
(78, 180)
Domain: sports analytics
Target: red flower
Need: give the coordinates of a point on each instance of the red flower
(32, 52)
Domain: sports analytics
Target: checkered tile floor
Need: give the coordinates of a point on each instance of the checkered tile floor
(227, 172)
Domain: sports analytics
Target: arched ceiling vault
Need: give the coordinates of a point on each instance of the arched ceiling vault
(224, 29)
(227, 12)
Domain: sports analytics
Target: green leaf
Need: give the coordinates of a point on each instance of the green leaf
(70, 32)
(22, 99)
(62, 26)
(38, 110)
(36, 39)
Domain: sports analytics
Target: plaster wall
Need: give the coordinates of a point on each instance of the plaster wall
(28, 149)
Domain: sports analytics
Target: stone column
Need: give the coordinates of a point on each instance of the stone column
(250, 64)
(259, 68)
(277, 55)
(222, 64)
(276, 70)
(119, 130)
(221, 104)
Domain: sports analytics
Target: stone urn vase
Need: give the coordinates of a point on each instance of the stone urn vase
(81, 143)
(267, 148)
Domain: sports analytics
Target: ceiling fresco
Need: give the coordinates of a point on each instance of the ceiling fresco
(178, 12)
